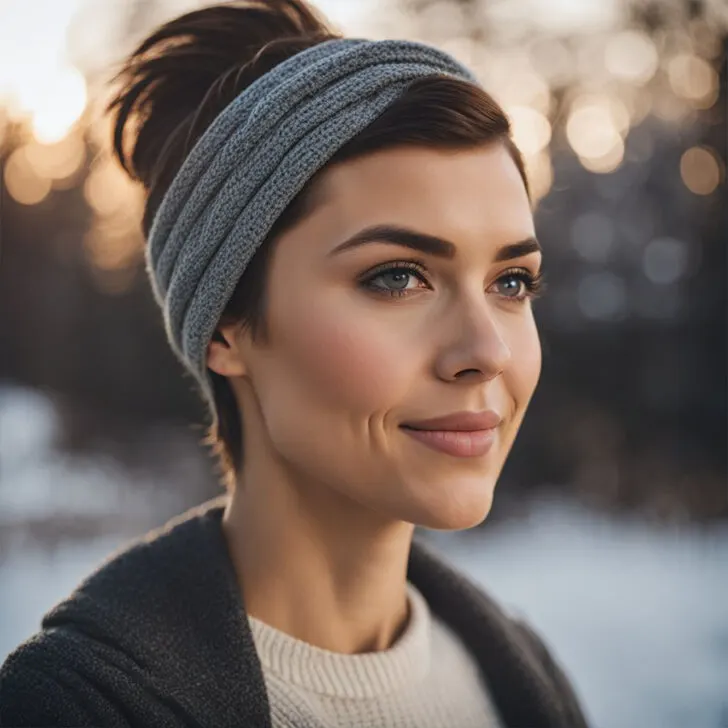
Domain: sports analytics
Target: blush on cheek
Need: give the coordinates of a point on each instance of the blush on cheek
(346, 357)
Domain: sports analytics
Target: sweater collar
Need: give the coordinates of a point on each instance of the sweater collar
(366, 675)
(171, 606)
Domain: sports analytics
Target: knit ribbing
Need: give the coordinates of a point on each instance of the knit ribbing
(427, 679)
(364, 675)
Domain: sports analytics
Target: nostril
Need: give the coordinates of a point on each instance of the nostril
(467, 371)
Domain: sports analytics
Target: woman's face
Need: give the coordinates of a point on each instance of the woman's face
(366, 337)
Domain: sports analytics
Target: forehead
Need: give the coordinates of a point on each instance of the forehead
(460, 193)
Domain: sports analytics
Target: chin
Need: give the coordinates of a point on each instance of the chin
(457, 509)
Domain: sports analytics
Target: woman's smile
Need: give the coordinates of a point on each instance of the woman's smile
(462, 444)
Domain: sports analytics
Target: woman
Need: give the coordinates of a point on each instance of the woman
(341, 240)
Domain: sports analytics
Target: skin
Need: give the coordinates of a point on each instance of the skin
(320, 525)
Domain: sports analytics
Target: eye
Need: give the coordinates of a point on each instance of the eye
(519, 284)
(395, 279)
(399, 279)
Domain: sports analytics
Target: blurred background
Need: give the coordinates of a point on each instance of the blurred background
(609, 530)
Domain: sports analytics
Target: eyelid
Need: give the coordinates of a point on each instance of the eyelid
(412, 263)
(521, 269)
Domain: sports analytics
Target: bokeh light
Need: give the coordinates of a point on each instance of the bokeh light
(637, 103)
(556, 16)
(554, 60)
(58, 105)
(631, 55)
(36, 79)
(593, 236)
(531, 130)
(540, 173)
(701, 170)
(107, 189)
(57, 161)
(704, 40)
(602, 296)
(23, 183)
(113, 244)
(665, 260)
(3, 126)
(694, 79)
(594, 130)
(607, 162)
(525, 87)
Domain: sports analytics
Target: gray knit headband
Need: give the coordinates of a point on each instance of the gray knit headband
(252, 161)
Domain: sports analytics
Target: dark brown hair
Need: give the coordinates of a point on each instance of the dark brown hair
(181, 77)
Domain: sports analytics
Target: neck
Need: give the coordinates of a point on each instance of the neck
(317, 566)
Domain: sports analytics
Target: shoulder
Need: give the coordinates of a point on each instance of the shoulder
(554, 671)
(46, 681)
(110, 653)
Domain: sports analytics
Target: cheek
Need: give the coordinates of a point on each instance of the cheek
(330, 371)
(524, 369)
(342, 357)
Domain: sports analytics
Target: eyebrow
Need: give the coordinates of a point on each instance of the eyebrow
(429, 244)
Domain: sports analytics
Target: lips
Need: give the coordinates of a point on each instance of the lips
(458, 422)
(461, 434)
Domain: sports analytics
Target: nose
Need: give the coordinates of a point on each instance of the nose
(476, 349)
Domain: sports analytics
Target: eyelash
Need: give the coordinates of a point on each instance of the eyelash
(533, 284)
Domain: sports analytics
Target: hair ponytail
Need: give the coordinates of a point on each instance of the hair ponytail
(183, 75)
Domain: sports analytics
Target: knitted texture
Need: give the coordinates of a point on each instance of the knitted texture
(427, 679)
(252, 161)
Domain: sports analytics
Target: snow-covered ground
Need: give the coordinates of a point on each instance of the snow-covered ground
(637, 615)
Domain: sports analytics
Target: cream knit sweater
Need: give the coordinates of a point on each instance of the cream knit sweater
(427, 679)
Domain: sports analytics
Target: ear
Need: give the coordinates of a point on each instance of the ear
(224, 353)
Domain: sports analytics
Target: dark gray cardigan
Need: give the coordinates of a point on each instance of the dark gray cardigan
(157, 636)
